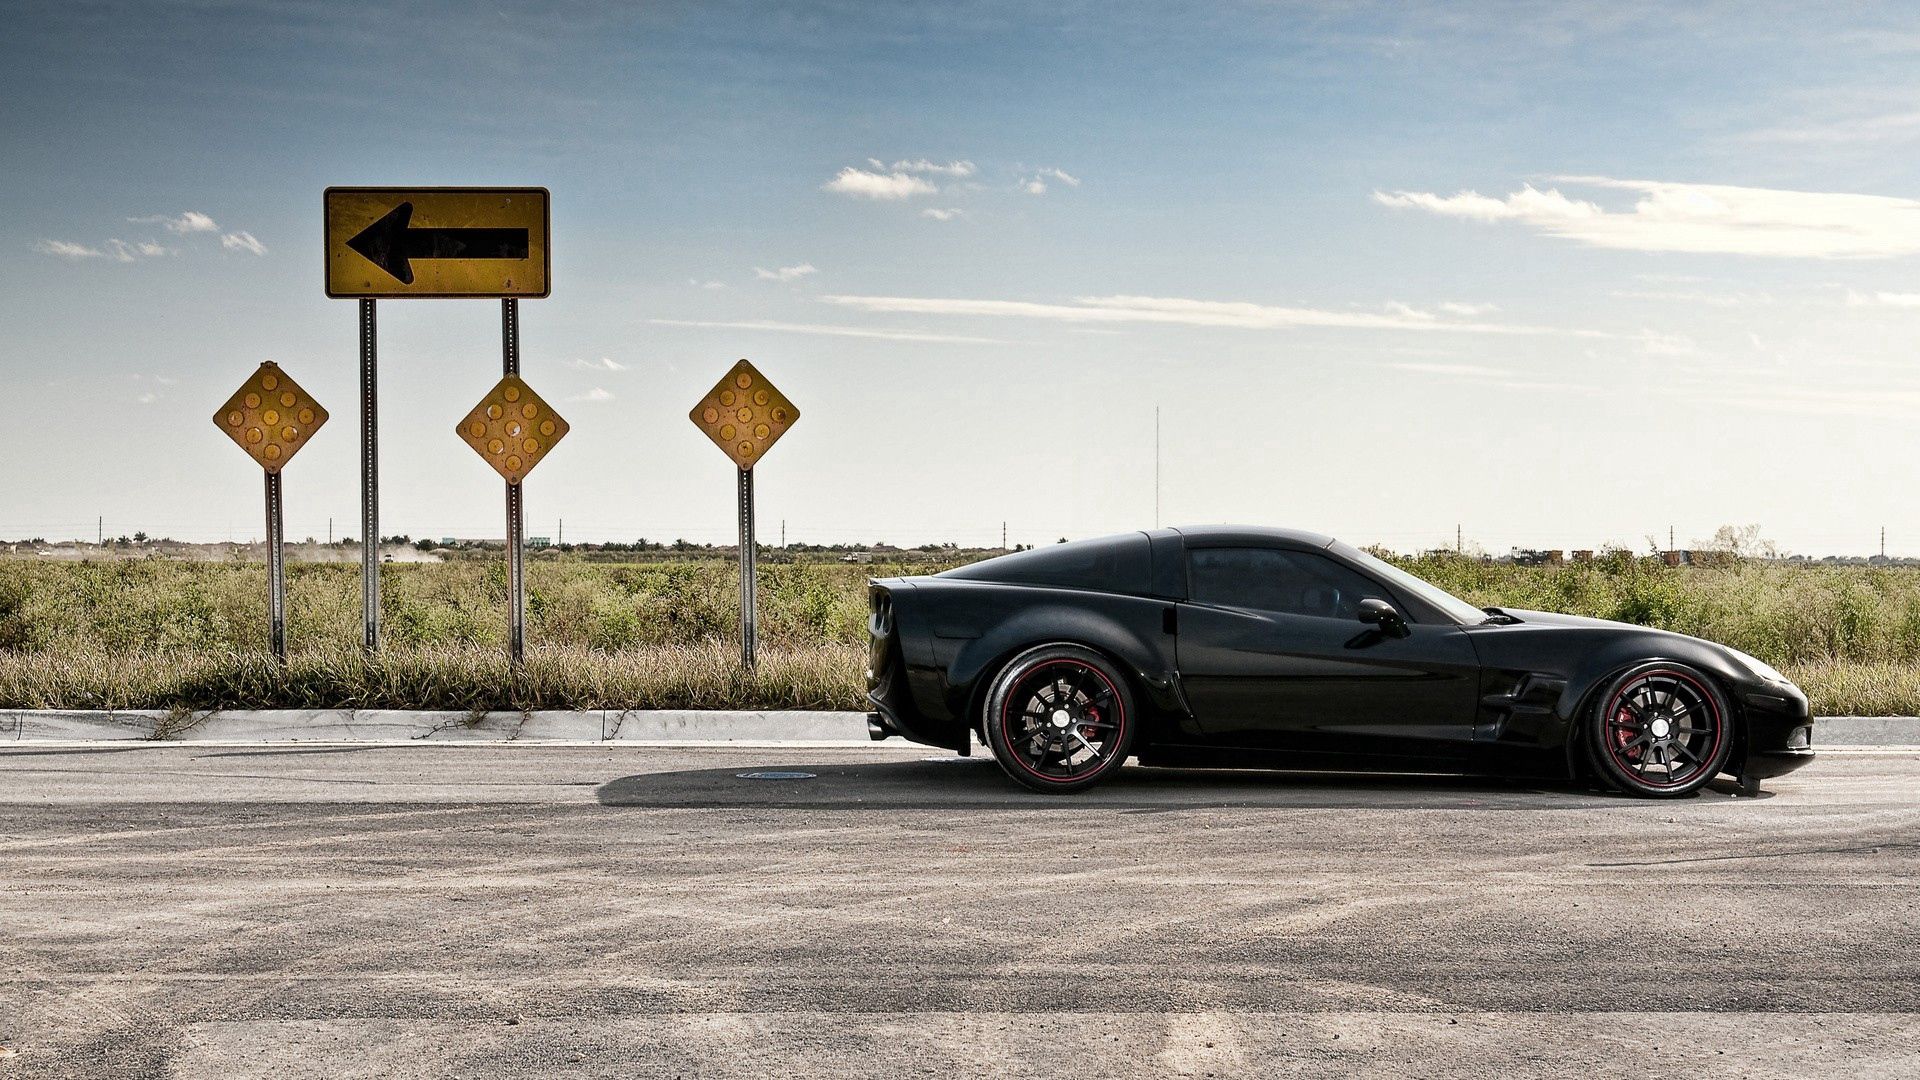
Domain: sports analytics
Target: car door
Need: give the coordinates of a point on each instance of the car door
(1272, 656)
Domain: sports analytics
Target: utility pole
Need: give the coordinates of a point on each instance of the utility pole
(99, 530)
(1003, 533)
(783, 534)
(329, 532)
(1669, 538)
(1156, 474)
(561, 533)
(1883, 541)
(1459, 542)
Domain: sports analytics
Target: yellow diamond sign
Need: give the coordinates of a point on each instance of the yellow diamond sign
(513, 428)
(271, 417)
(744, 415)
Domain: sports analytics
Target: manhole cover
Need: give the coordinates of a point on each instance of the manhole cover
(775, 775)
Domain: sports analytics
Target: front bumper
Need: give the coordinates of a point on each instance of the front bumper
(1779, 732)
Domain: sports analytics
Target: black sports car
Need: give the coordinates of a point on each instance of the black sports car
(1238, 647)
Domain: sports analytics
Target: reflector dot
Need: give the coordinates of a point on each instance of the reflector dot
(494, 412)
(271, 453)
(760, 432)
(743, 380)
(288, 399)
(477, 428)
(511, 393)
(271, 416)
(513, 428)
(235, 417)
(252, 401)
(495, 446)
(744, 415)
(529, 410)
(759, 397)
(746, 449)
(306, 416)
(531, 446)
(726, 431)
(269, 381)
(513, 464)
(289, 433)
(779, 416)
(254, 434)
(712, 415)
(726, 398)
(546, 427)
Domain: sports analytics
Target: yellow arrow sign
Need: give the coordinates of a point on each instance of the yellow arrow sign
(512, 428)
(271, 417)
(393, 243)
(744, 415)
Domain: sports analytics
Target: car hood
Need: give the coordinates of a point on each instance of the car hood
(1554, 618)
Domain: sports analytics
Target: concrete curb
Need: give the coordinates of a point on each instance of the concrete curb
(629, 726)
(402, 726)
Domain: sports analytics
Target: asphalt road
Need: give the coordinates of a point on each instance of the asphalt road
(520, 911)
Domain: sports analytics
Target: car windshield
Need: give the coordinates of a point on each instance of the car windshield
(1458, 609)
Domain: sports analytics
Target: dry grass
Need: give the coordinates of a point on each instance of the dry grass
(659, 635)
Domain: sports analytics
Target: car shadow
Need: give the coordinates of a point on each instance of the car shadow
(977, 783)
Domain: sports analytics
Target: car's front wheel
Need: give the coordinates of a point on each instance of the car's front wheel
(1059, 718)
(1660, 730)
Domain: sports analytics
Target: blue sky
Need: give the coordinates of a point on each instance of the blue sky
(1563, 274)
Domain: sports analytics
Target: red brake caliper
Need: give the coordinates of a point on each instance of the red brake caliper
(1622, 735)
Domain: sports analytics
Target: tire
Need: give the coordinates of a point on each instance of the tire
(1059, 719)
(1659, 730)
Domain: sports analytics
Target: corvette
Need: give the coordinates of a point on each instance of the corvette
(1243, 647)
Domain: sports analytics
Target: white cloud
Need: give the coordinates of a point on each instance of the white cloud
(922, 165)
(67, 249)
(147, 398)
(1454, 307)
(243, 241)
(862, 184)
(697, 283)
(939, 214)
(1696, 218)
(191, 221)
(833, 331)
(595, 394)
(1185, 312)
(1886, 299)
(785, 273)
(605, 363)
(1036, 184)
(114, 250)
(1478, 370)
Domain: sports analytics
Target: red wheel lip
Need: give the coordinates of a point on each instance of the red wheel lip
(1006, 732)
(1706, 695)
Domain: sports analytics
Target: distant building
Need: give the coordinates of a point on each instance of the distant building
(539, 541)
(1583, 555)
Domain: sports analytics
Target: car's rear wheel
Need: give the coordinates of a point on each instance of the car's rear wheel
(1660, 730)
(1059, 718)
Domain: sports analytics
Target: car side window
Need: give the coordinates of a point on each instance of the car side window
(1285, 582)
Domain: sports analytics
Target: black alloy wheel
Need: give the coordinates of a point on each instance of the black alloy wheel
(1059, 718)
(1660, 730)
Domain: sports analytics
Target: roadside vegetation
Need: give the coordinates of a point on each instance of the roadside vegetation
(166, 634)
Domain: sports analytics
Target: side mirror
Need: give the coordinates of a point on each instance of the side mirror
(1379, 613)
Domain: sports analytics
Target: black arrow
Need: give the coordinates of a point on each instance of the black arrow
(390, 245)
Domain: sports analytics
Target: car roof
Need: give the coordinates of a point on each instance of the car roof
(1249, 534)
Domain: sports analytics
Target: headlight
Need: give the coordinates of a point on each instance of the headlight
(1760, 667)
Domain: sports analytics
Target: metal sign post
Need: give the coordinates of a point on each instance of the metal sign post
(271, 418)
(369, 478)
(513, 428)
(516, 509)
(276, 570)
(748, 558)
(745, 415)
(431, 242)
